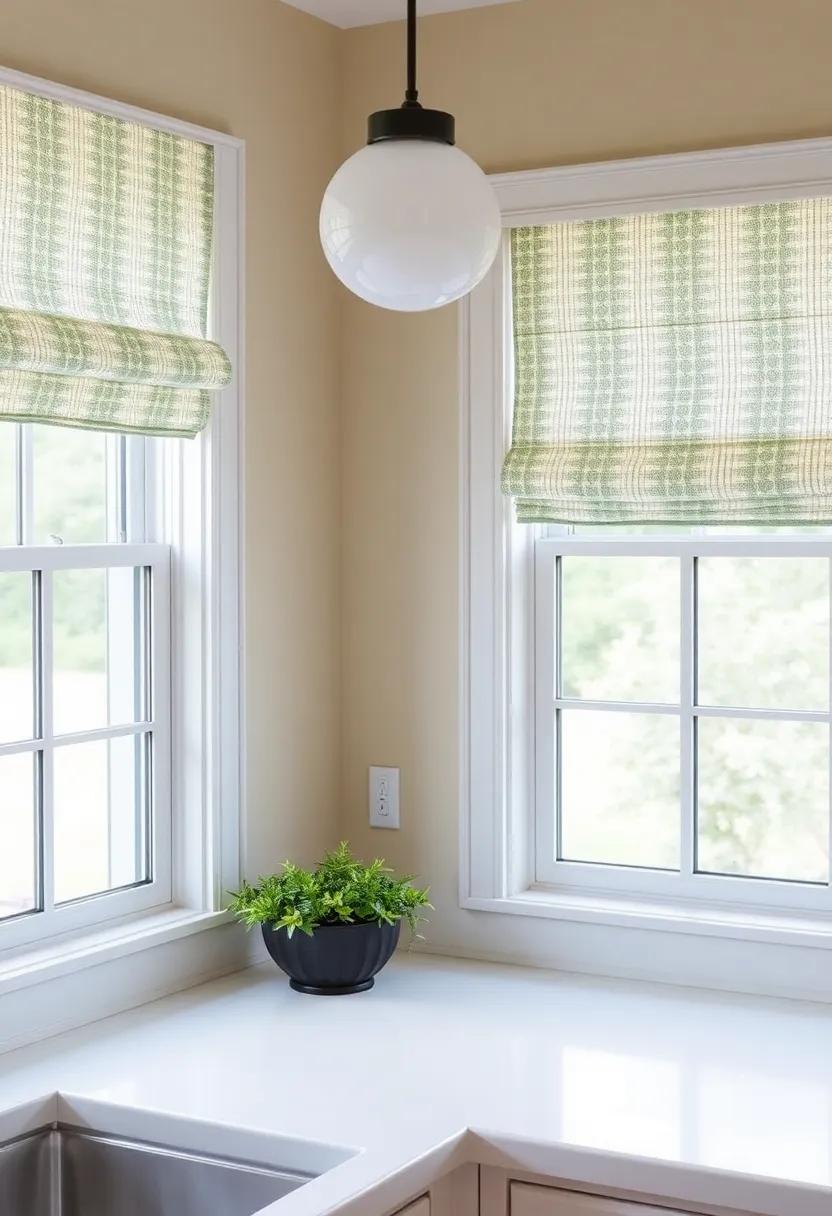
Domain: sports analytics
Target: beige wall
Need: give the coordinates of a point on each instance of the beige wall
(538, 83)
(269, 74)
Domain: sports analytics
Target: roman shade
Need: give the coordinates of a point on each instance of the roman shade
(674, 367)
(105, 263)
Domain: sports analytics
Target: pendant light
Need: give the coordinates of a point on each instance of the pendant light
(410, 222)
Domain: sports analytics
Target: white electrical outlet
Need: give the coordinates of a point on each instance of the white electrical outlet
(384, 797)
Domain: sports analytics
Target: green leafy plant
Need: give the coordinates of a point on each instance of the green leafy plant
(340, 891)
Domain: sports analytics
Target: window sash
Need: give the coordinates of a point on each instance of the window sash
(603, 878)
(92, 910)
(130, 469)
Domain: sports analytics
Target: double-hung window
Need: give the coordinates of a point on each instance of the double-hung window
(647, 461)
(120, 631)
(85, 692)
(682, 722)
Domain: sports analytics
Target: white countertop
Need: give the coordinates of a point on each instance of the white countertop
(709, 1098)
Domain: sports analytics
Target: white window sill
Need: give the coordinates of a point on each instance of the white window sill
(70, 953)
(771, 926)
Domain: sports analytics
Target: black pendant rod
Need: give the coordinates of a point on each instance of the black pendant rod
(411, 121)
(411, 96)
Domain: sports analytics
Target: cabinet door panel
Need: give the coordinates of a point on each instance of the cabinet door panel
(419, 1207)
(529, 1199)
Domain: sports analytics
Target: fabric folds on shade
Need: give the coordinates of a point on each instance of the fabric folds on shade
(105, 261)
(674, 367)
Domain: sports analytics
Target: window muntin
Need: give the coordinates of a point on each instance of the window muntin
(84, 685)
(723, 791)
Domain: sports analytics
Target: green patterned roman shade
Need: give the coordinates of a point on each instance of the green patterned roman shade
(674, 367)
(105, 263)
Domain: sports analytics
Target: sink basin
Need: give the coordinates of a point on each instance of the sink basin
(61, 1170)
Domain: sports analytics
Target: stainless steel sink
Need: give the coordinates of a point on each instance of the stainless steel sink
(65, 1171)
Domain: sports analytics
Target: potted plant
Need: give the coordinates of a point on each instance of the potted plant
(348, 915)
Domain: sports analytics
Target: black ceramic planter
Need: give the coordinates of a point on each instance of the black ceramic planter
(336, 959)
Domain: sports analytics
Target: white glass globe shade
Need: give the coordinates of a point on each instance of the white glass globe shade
(410, 224)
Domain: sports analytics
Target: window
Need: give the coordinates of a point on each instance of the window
(84, 684)
(120, 587)
(645, 707)
(682, 715)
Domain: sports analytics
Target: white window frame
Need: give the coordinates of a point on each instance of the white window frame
(686, 882)
(44, 561)
(186, 523)
(503, 563)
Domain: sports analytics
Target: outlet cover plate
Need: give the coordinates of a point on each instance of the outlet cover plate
(384, 797)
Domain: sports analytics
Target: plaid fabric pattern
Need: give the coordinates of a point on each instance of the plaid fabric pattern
(37, 342)
(674, 367)
(103, 405)
(105, 259)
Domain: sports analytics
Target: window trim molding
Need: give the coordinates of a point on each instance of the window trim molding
(199, 513)
(497, 580)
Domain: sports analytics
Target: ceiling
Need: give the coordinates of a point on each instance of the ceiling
(347, 13)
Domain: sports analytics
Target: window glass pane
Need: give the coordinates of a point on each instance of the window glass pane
(16, 676)
(763, 805)
(17, 834)
(100, 823)
(70, 485)
(620, 628)
(97, 654)
(764, 632)
(620, 788)
(8, 484)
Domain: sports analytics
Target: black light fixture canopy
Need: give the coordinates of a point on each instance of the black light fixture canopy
(411, 120)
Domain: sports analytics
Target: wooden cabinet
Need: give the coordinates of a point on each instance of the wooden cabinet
(532, 1199)
(419, 1207)
(507, 1192)
(473, 1190)
(454, 1194)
